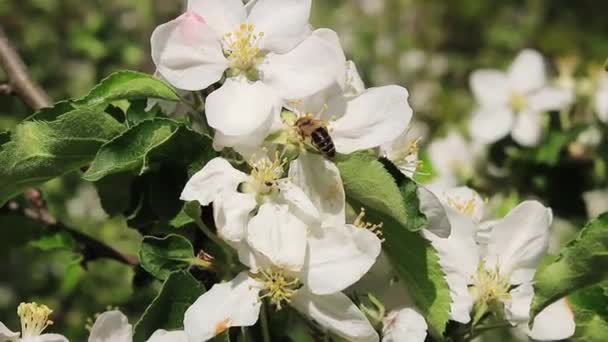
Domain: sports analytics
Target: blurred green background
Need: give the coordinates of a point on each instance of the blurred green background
(430, 46)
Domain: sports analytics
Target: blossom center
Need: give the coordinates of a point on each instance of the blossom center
(265, 173)
(242, 49)
(464, 206)
(34, 318)
(406, 158)
(278, 287)
(518, 102)
(489, 286)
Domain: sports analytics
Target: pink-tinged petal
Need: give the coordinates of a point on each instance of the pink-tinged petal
(281, 35)
(188, 53)
(376, 117)
(223, 16)
(404, 325)
(241, 107)
(231, 304)
(490, 88)
(519, 241)
(310, 67)
(337, 313)
(527, 72)
(555, 322)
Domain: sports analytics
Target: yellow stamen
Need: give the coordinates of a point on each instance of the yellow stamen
(278, 287)
(518, 102)
(265, 173)
(34, 318)
(361, 223)
(490, 286)
(241, 48)
(466, 207)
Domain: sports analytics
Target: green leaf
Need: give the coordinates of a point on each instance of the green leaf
(167, 310)
(549, 153)
(115, 193)
(590, 308)
(151, 140)
(42, 150)
(414, 259)
(55, 241)
(367, 181)
(582, 263)
(128, 85)
(162, 256)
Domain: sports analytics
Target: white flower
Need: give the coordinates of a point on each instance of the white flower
(513, 102)
(600, 99)
(278, 229)
(336, 256)
(403, 151)
(113, 326)
(34, 320)
(498, 269)
(404, 325)
(266, 49)
(453, 159)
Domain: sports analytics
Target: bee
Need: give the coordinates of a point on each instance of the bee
(316, 133)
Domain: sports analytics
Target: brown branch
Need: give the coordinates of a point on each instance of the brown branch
(19, 78)
(92, 249)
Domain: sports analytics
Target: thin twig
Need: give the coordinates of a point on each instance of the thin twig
(19, 78)
(92, 249)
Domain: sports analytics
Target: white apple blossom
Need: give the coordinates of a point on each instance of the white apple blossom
(34, 320)
(513, 101)
(453, 159)
(499, 267)
(113, 326)
(596, 202)
(403, 151)
(266, 50)
(404, 325)
(262, 207)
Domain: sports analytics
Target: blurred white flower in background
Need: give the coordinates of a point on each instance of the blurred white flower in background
(600, 98)
(453, 159)
(596, 202)
(372, 7)
(513, 102)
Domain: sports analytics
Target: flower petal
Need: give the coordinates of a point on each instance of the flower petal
(528, 128)
(431, 207)
(310, 67)
(459, 259)
(338, 256)
(230, 304)
(376, 117)
(188, 53)
(555, 322)
(490, 88)
(488, 125)
(111, 326)
(466, 201)
(278, 235)
(299, 203)
(231, 213)
(517, 308)
(217, 176)
(601, 102)
(241, 107)
(354, 84)
(337, 313)
(550, 98)
(284, 34)
(168, 336)
(6, 334)
(527, 72)
(54, 338)
(320, 179)
(404, 325)
(222, 15)
(519, 241)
